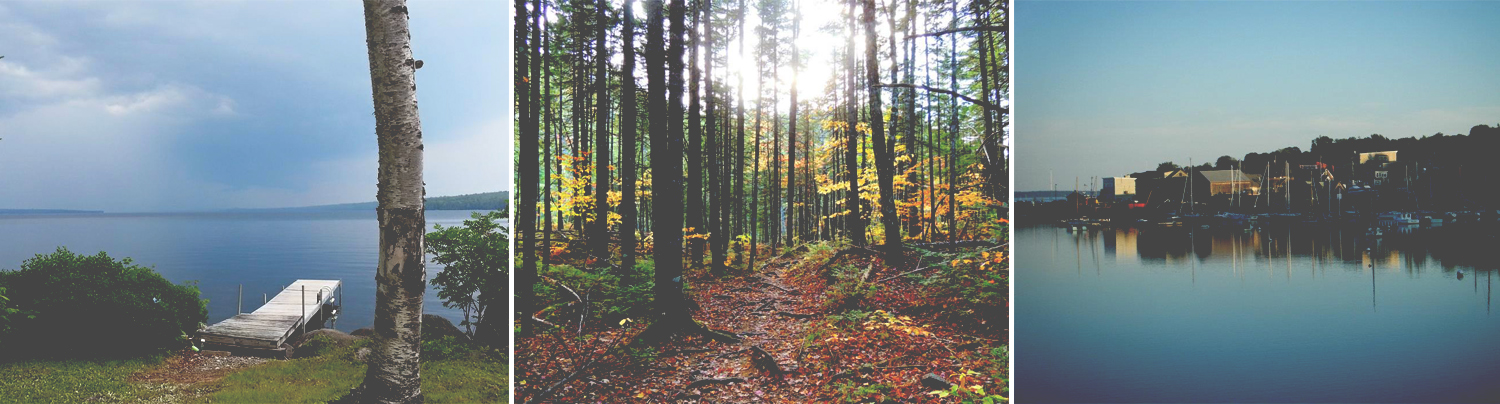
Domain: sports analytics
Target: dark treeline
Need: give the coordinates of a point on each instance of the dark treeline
(1438, 171)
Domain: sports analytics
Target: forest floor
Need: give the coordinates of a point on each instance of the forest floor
(810, 330)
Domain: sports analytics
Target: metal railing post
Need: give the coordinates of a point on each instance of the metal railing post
(304, 309)
(239, 301)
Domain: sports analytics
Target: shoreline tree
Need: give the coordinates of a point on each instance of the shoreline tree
(394, 373)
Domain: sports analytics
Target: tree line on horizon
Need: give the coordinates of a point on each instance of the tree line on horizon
(1455, 162)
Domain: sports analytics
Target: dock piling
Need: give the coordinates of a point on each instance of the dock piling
(304, 309)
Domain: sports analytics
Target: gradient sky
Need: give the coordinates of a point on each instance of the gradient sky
(1109, 88)
(152, 106)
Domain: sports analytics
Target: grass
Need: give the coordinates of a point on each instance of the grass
(304, 380)
(474, 377)
(72, 381)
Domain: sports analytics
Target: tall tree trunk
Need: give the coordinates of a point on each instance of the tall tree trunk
(755, 164)
(694, 191)
(394, 374)
(884, 158)
(791, 140)
(739, 144)
(666, 172)
(773, 226)
(627, 142)
(545, 96)
(854, 221)
(600, 239)
(717, 235)
(994, 163)
(953, 127)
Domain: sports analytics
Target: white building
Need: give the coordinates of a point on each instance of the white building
(1118, 188)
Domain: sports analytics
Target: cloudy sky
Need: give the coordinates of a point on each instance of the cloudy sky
(1109, 88)
(159, 106)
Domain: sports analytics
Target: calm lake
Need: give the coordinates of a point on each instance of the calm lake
(1287, 314)
(221, 251)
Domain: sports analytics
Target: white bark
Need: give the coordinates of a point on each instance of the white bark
(394, 374)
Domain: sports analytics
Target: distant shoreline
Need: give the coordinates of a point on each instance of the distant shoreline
(48, 212)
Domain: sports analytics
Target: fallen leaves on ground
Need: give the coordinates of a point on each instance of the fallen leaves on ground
(797, 344)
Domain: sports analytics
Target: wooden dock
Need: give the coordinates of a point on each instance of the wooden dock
(279, 319)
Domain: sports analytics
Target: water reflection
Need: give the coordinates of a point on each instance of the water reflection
(1409, 250)
(1403, 249)
(1286, 313)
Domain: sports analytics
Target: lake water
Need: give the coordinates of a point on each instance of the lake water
(221, 251)
(1280, 315)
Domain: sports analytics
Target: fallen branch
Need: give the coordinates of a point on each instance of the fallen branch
(903, 274)
(845, 252)
(956, 244)
(534, 318)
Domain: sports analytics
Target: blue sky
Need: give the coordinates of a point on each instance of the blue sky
(1109, 88)
(152, 106)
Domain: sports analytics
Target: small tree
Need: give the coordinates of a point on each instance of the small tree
(1226, 162)
(472, 256)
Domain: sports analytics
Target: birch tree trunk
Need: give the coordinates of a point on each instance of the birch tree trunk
(394, 374)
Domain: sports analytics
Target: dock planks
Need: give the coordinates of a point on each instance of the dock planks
(269, 326)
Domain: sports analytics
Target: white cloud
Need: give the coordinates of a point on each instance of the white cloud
(18, 81)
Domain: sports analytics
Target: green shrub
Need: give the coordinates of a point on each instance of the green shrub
(475, 260)
(446, 348)
(854, 391)
(849, 289)
(978, 283)
(966, 392)
(88, 306)
(8, 315)
(317, 346)
(612, 297)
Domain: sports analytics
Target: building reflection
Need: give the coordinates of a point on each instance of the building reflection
(1402, 250)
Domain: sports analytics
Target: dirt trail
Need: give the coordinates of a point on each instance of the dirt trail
(793, 345)
(189, 376)
(772, 318)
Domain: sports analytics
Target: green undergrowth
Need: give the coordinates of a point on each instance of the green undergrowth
(612, 296)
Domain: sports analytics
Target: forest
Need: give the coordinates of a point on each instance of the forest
(776, 200)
